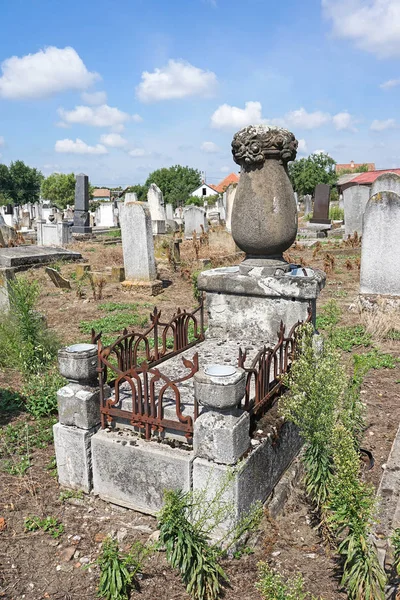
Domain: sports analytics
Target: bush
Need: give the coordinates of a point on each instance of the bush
(27, 343)
(40, 392)
(272, 586)
(336, 213)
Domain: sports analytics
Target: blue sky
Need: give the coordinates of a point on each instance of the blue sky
(118, 88)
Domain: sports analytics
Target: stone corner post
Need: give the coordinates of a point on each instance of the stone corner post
(79, 415)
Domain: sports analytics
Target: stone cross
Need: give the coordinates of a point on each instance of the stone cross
(81, 213)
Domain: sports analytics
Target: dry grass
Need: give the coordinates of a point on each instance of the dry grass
(381, 320)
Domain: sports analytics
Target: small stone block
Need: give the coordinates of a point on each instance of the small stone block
(73, 455)
(79, 406)
(223, 438)
(81, 270)
(221, 393)
(78, 363)
(117, 274)
(134, 473)
(151, 288)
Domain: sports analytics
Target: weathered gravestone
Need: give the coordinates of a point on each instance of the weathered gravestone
(307, 199)
(387, 182)
(195, 219)
(380, 245)
(105, 215)
(169, 212)
(157, 211)
(138, 246)
(321, 204)
(81, 213)
(355, 200)
(230, 197)
(58, 280)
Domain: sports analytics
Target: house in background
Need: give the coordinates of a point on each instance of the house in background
(101, 195)
(231, 178)
(352, 166)
(367, 178)
(207, 189)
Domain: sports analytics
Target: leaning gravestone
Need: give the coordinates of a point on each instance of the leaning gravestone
(321, 204)
(81, 213)
(58, 280)
(138, 246)
(380, 240)
(355, 200)
(195, 219)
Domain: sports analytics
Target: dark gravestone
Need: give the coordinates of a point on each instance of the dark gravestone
(81, 213)
(321, 204)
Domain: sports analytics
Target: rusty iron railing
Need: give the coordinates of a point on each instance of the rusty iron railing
(132, 358)
(148, 388)
(159, 342)
(268, 368)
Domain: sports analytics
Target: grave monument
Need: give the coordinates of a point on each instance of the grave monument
(81, 213)
(321, 204)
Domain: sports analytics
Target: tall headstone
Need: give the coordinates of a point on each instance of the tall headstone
(355, 200)
(307, 199)
(157, 210)
(230, 197)
(169, 212)
(321, 204)
(380, 245)
(81, 213)
(138, 246)
(195, 219)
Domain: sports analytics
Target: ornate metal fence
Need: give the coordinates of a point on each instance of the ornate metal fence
(267, 369)
(132, 359)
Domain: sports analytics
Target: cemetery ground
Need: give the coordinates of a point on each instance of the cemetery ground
(54, 561)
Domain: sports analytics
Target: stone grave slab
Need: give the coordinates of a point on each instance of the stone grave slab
(27, 256)
(58, 280)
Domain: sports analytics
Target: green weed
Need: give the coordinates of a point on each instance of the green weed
(272, 586)
(347, 338)
(329, 315)
(48, 524)
(67, 494)
(119, 570)
(10, 402)
(40, 392)
(15, 466)
(18, 439)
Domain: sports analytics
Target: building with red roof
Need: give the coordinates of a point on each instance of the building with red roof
(231, 178)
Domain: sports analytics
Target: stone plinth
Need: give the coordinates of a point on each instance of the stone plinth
(27, 256)
(380, 246)
(254, 303)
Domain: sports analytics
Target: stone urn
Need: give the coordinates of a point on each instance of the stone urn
(264, 214)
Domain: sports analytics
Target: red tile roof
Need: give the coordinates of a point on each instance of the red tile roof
(353, 166)
(370, 176)
(221, 187)
(101, 193)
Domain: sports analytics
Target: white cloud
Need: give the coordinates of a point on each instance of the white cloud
(305, 120)
(378, 125)
(231, 117)
(96, 116)
(137, 118)
(114, 140)
(209, 147)
(137, 152)
(302, 147)
(78, 147)
(373, 25)
(387, 85)
(320, 152)
(43, 74)
(178, 79)
(94, 97)
(225, 169)
(2, 140)
(343, 121)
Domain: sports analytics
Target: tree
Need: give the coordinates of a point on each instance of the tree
(176, 183)
(60, 189)
(24, 183)
(306, 173)
(5, 185)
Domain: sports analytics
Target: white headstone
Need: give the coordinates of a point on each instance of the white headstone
(355, 200)
(156, 203)
(230, 197)
(380, 256)
(387, 182)
(307, 199)
(194, 217)
(53, 234)
(169, 212)
(137, 240)
(105, 215)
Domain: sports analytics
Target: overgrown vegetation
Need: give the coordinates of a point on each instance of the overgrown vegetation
(325, 404)
(272, 586)
(336, 213)
(17, 441)
(186, 522)
(114, 322)
(119, 570)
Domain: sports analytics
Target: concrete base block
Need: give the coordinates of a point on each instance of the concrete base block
(73, 455)
(79, 406)
(222, 438)
(255, 478)
(134, 473)
(152, 288)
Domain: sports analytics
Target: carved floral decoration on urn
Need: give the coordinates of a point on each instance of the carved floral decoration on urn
(264, 214)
